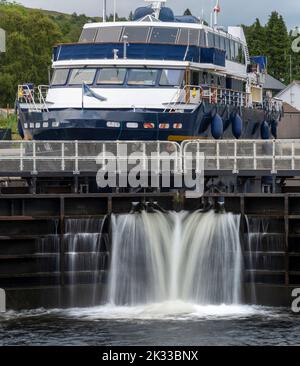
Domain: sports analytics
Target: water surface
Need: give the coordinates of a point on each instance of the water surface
(165, 324)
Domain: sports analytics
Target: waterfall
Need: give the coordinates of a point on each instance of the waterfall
(85, 255)
(160, 257)
(264, 236)
(211, 266)
(140, 261)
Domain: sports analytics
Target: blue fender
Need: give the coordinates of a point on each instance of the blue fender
(20, 129)
(274, 128)
(205, 122)
(265, 131)
(227, 123)
(217, 127)
(237, 126)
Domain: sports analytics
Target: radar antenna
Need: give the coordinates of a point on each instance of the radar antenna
(156, 6)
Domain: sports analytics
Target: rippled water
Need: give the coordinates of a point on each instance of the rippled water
(170, 323)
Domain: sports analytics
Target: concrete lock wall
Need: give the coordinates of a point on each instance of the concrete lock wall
(29, 223)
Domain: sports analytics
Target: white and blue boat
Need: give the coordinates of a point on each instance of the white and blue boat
(158, 77)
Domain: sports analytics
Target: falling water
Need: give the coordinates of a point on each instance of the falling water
(85, 257)
(140, 258)
(160, 257)
(211, 265)
(263, 236)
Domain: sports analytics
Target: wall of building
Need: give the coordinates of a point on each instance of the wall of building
(292, 96)
(289, 126)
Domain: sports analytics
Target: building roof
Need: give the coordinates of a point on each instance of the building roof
(287, 108)
(295, 82)
(273, 84)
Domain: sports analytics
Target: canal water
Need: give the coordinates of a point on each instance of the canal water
(166, 324)
(175, 280)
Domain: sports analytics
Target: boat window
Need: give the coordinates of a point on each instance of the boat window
(212, 79)
(137, 34)
(210, 39)
(227, 41)
(232, 50)
(189, 37)
(205, 78)
(60, 77)
(195, 78)
(217, 41)
(222, 43)
(202, 38)
(241, 54)
(221, 82)
(163, 35)
(237, 46)
(171, 77)
(112, 76)
(109, 34)
(80, 76)
(88, 35)
(142, 77)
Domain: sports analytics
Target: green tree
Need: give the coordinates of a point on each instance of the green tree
(187, 12)
(256, 37)
(30, 38)
(277, 47)
(130, 16)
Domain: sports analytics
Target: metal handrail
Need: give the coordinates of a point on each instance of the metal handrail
(26, 155)
(214, 95)
(273, 155)
(219, 155)
(33, 97)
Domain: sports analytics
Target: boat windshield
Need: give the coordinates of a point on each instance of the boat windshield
(137, 34)
(109, 34)
(112, 76)
(88, 35)
(164, 35)
(171, 77)
(142, 77)
(60, 77)
(189, 37)
(80, 76)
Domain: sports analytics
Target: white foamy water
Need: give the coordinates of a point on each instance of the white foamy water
(169, 310)
(157, 258)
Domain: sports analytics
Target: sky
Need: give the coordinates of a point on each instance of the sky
(234, 12)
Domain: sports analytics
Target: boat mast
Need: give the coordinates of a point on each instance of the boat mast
(217, 10)
(115, 10)
(104, 11)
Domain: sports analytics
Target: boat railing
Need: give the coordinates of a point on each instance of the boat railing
(195, 94)
(273, 105)
(34, 97)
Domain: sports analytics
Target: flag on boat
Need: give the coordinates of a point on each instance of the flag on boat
(88, 92)
(217, 8)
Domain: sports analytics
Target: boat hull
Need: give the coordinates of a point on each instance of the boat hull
(93, 124)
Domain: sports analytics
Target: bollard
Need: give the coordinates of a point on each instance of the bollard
(2, 301)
